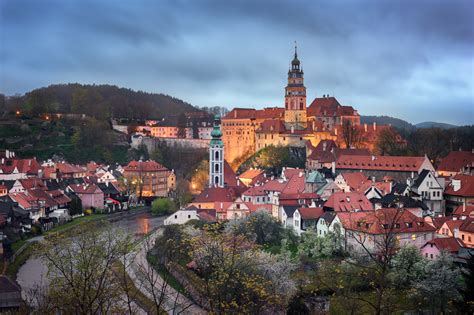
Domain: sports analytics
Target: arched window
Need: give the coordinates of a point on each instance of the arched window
(216, 156)
(216, 180)
(216, 167)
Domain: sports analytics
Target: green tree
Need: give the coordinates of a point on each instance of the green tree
(162, 206)
(408, 267)
(76, 206)
(387, 143)
(259, 226)
(468, 290)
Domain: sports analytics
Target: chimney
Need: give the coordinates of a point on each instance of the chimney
(292, 129)
(365, 127)
(375, 125)
(314, 127)
(335, 131)
(456, 232)
(456, 183)
(373, 157)
(324, 145)
(333, 167)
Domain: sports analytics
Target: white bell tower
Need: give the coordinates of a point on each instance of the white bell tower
(216, 157)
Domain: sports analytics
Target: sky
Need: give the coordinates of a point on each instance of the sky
(403, 58)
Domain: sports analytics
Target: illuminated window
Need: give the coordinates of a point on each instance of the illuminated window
(413, 237)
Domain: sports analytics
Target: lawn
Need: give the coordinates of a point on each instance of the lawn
(12, 268)
(73, 223)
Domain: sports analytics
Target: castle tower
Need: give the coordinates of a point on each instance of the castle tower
(216, 156)
(295, 97)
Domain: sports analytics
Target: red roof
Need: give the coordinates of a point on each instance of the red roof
(42, 195)
(323, 106)
(230, 178)
(354, 180)
(384, 220)
(59, 197)
(455, 161)
(251, 173)
(32, 182)
(466, 183)
(25, 166)
(310, 213)
(251, 113)
(467, 225)
(255, 191)
(348, 201)
(218, 194)
(385, 163)
(67, 168)
(467, 211)
(85, 188)
(144, 166)
(450, 244)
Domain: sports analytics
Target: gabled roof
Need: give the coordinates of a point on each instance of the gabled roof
(464, 210)
(310, 213)
(217, 194)
(144, 166)
(251, 113)
(255, 191)
(251, 173)
(450, 244)
(455, 161)
(289, 210)
(66, 168)
(382, 162)
(32, 182)
(391, 200)
(354, 179)
(348, 201)
(85, 188)
(383, 221)
(399, 188)
(467, 225)
(466, 189)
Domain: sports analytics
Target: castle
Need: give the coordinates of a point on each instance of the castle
(247, 130)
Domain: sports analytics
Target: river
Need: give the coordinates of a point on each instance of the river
(34, 272)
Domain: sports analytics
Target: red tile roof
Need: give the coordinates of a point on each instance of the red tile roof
(255, 191)
(456, 161)
(450, 244)
(217, 194)
(467, 225)
(85, 189)
(466, 189)
(348, 201)
(32, 182)
(383, 221)
(310, 213)
(144, 166)
(384, 163)
(25, 166)
(467, 211)
(251, 173)
(251, 113)
(66, 168)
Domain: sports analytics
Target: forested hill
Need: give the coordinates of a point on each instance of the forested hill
(387, 120)
(100, 101)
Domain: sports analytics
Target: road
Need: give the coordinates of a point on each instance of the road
(139, 267)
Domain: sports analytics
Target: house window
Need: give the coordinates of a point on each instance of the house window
(426, 255)
(462, 237)
(189, 216)
(175, 216)
(469, 239)
(413, 237)
(431, 256)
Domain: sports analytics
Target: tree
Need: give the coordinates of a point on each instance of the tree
(387, 143)
(195, 128)
(441, 284)
(80, 269)
(162, 206)
(237, 277)
(259, 226)
(407, 267)
(330, 245)
(76, 206)
(200, 177)
(351, 134)
(468, 290)
(182, 121)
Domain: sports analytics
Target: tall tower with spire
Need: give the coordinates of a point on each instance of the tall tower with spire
(295, 96)
(216, 156)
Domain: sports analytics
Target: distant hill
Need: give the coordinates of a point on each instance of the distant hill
(100, 101)
(432, 124)
(387, 120)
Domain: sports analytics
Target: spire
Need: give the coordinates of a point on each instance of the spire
(296, 51)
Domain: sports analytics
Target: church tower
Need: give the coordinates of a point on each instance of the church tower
(295, 97)
(216, 156)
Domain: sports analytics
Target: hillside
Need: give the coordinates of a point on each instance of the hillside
(99, 101)
(432, 124)
(387, 120)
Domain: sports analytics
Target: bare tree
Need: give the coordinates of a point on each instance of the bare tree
(351, 134)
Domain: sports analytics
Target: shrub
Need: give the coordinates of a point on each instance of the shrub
(88, 212)
(162, 206)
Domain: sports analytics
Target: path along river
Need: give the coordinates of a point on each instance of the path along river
(33, 273)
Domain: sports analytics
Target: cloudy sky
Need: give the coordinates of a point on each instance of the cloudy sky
(409, 59)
